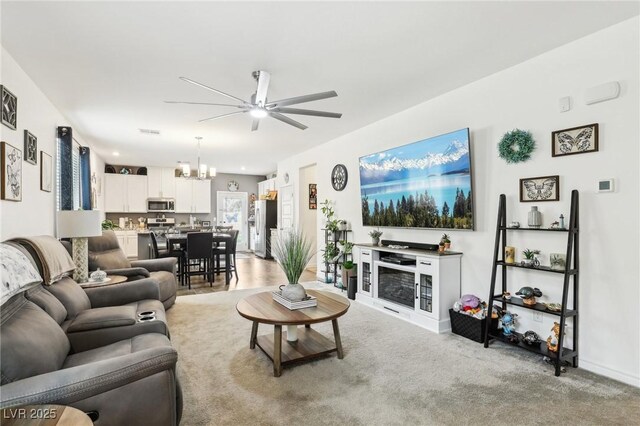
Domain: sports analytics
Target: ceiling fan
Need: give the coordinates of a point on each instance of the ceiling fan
(259, 107)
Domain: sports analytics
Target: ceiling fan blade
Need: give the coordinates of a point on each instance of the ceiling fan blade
(287, 120)
(202, 103)
(212, 89)
(223, 115)
(263, 86)
(307, 112)
(302, 99)
(254, 125)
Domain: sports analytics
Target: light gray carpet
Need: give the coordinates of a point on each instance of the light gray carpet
(393, 373)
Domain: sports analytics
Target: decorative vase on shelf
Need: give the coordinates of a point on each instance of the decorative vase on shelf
(535, 218)
(375, 241)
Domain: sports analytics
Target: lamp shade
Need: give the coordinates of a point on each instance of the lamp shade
(79, 223)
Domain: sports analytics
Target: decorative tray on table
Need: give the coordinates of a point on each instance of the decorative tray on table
(308, 302)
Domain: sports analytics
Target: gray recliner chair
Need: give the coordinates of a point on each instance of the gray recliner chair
(98, 316)
(131, 381)
(105, 253)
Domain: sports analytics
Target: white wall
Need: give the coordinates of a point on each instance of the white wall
(526, 97)
(35, 214)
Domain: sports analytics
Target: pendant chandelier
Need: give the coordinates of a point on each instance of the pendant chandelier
(201, 172)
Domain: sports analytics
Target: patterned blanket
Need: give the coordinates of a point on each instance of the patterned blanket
(16, 273)
(54, 258)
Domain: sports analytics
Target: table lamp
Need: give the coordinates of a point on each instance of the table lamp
(79, 225)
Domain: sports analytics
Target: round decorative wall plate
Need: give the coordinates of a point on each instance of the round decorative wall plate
(339, 177)
(232, 185)
(286, 178)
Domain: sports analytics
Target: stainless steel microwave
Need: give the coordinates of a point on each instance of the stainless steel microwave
(161, 205)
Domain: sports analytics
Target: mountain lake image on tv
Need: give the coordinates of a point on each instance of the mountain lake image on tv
(425, 184)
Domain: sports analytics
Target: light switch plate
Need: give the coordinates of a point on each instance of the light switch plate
(564, 104)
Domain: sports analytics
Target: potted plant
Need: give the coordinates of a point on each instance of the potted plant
(441, 247)
(375, 236)
(347, 267)
(342, 225)
(447, 242)
(331, 223)
(293, 251)
(347, 247)
(530, 257)
(331, 253)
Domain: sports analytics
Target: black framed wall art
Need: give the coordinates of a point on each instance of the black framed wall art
(9, 108)
(575, 140)
(30, 148)
(542, 188)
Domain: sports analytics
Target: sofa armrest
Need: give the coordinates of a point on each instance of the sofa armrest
(135, 273)
(84, 381)
(123, 293)
(153, 265)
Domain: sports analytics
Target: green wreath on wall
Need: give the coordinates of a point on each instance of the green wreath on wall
(516, 146)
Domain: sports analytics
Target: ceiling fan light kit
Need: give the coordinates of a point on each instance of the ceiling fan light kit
(259, 108)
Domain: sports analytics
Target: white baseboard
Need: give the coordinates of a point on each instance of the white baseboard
(610, 373)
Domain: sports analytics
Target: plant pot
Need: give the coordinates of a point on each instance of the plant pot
(293, 292)
(527, 262)
(447, 246)
(375, 241)
(342, 226)
(441, 249)
(345, 277)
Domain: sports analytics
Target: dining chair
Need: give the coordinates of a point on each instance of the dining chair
(168, 252)
(199, 253)
(221, 251)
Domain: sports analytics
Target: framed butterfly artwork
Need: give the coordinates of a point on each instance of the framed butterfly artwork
(543, 188)
(576, 140)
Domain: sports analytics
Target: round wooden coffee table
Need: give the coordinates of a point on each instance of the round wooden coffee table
(261, 308)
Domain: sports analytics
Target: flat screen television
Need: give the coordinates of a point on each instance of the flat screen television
(425, 184)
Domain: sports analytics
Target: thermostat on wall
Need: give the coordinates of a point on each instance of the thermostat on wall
(605, 185)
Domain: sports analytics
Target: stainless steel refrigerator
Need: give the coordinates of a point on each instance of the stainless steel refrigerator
(266, 219)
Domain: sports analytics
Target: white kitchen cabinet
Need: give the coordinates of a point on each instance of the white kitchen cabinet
(161, 182)
(136, 194)
(115, 199)
(266, 185)
(125, 193)
(128, 241)
(184, 196)
(193, 196)
(202, 196)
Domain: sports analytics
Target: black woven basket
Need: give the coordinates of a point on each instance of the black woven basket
(470, 327)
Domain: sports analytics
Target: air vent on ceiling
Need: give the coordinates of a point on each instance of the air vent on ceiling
(149, 131)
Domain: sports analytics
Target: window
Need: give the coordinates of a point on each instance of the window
(75, 172)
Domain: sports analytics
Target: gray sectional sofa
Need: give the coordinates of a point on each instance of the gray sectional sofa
(90, 349)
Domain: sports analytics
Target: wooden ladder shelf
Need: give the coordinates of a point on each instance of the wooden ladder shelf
(570, 273)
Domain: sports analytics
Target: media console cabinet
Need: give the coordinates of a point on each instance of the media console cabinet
(416, 285)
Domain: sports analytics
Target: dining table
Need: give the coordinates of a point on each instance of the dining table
(180, 239)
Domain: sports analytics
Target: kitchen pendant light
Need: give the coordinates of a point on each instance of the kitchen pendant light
(201, 171)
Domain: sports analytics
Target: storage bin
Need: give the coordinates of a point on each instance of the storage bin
(470, 327)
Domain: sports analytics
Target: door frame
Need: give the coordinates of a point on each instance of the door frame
(243, 245)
